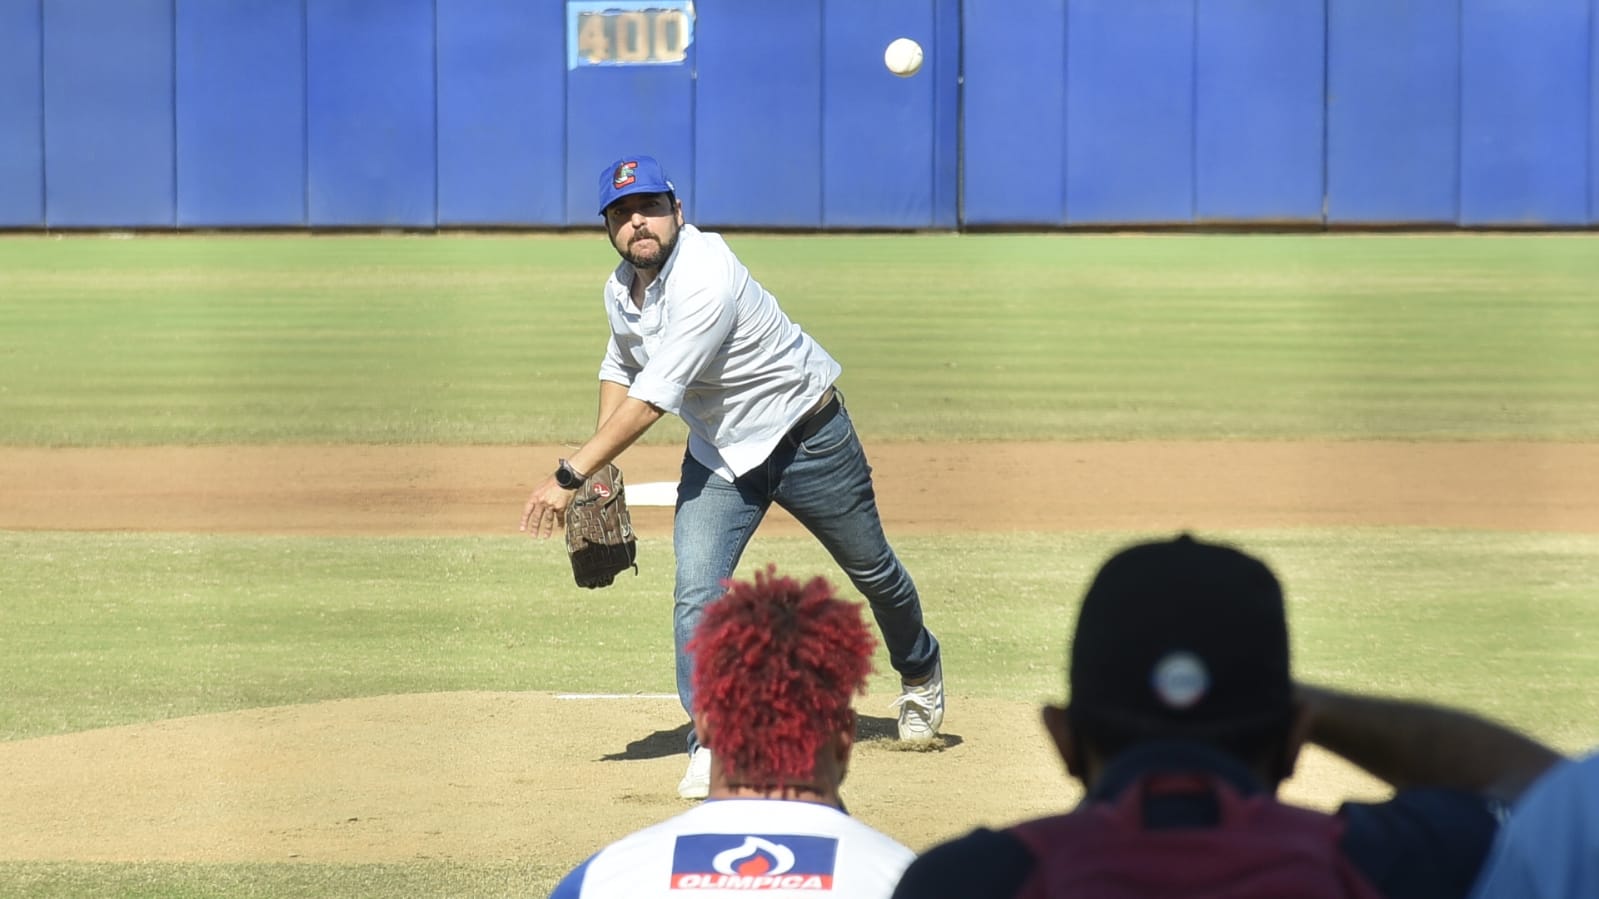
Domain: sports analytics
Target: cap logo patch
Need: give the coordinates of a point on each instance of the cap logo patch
(1180, 679)
(603, 491)
(626, 173)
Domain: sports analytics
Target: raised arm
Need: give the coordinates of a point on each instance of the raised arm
(1417, 744)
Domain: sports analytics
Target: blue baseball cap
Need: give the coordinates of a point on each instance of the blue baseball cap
(632, 175)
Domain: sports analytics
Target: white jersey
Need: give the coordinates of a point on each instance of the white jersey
(712, 346)
(771, 848)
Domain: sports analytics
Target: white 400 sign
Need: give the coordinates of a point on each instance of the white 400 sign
(609, 32)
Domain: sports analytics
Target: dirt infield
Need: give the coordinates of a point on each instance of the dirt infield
(922, 488)
(459, 775)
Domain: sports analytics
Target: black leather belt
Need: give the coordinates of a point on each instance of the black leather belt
(810, 424)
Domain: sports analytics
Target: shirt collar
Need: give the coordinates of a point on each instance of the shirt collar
(677, 250)
(1173, 757)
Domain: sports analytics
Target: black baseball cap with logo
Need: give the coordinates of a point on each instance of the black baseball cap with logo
(1182, 639)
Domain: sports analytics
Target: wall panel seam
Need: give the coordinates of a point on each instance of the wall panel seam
(437, 93)
(44, 124)
(1460, 113)
(1326, 107)
(1193, 111)
(172, 70)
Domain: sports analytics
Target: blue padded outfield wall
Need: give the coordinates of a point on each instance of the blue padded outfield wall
(1027, 113)
(1523, 122)
(21, 115)
(1393, 111)
(370, 112)
(240, 169)
(500, 142)
(109, 154)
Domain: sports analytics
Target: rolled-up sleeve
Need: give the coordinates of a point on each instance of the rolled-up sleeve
(698, 318)
(615, 366)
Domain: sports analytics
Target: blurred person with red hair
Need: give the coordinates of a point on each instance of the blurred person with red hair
(777, 663)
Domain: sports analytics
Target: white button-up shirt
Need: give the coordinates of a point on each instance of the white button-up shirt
(711, 345)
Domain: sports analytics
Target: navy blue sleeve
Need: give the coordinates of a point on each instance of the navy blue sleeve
(984, 864)
(1422, 844)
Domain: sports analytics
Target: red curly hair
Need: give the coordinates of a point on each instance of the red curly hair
(775, 667)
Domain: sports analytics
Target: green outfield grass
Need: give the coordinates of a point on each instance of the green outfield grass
(107, 629)
(496, 339)
(115, 629)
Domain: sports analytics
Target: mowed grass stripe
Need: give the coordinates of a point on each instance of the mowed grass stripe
(106, 629)
(1057, 337)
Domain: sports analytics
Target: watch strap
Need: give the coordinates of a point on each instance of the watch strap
(568, 477)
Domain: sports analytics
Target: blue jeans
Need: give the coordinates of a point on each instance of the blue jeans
(826, 484)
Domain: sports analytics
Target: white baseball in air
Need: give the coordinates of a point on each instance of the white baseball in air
(903, 57)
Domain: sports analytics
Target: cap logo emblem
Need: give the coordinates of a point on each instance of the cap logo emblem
(1180, 679)
(603, 491)
(626, 173)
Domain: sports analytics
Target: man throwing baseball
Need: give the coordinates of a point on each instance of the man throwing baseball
(693, 334)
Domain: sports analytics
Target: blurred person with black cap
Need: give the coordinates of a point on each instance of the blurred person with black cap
(1183, 721)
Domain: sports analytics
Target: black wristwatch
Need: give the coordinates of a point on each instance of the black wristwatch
(567, 477)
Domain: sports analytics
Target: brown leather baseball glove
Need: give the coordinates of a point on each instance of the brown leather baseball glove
(599, 530)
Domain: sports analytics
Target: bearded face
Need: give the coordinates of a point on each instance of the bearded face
(646, 249)
(644, 228)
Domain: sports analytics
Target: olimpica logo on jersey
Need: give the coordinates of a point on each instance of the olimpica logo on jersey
(718, 861)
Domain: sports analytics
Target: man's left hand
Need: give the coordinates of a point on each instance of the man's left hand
(546, 508)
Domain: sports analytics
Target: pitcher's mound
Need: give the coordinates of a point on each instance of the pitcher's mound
(490, 776)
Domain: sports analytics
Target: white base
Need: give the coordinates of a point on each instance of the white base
(654, 493)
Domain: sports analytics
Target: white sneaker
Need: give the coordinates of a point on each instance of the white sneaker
(921, 707)
(696, 782)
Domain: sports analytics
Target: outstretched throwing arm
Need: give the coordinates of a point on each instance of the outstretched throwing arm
(623, 420)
